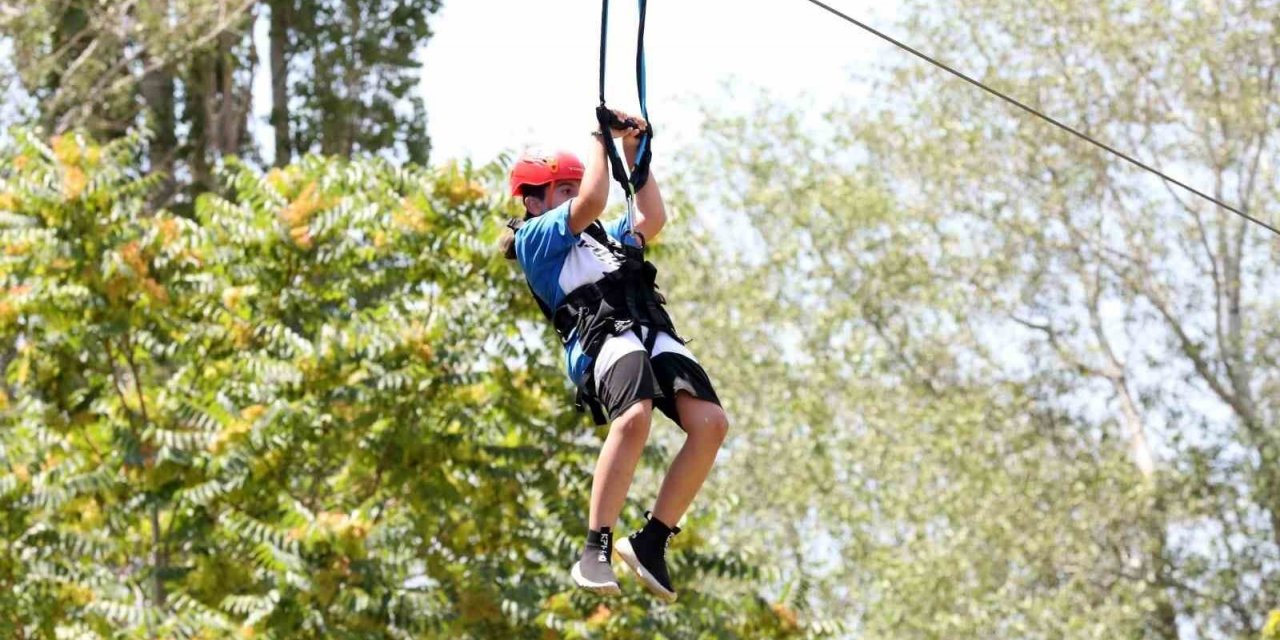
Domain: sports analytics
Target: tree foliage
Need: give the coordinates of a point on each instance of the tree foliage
(915, 490)
(1018, 389)
(361, 93)
(342, 76)
(320, 407)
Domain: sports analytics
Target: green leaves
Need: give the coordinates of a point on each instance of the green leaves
(300, 412)
(1006, 388)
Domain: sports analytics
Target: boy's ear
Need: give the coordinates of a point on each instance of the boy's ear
(533, 205)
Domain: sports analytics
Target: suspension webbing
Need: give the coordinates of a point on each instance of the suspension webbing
(631, 184)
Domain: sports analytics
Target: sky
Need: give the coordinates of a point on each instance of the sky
(502, 75)
(12, 99)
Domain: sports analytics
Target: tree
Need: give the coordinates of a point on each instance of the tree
(306, 411)
(343, 77)
(359, 94)
(1045, 380)
(915, 490)
(182, 69)
(86, 63)
(1153, 297)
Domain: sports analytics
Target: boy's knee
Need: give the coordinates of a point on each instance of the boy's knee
(635, 420)
(710, 423)
(718, 426)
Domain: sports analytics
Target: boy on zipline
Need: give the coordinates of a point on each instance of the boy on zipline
(621, 349)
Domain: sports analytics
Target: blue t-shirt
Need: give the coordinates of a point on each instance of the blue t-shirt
(555, 262)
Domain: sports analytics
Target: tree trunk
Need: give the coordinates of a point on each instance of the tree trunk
(280, 16)
(8, 352)
(70, 34)
(352, 80)
(157, 93)
(219, 105)
(231, 104)
(1165, 620)
(199, 95)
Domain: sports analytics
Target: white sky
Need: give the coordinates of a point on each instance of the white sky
(505, 74)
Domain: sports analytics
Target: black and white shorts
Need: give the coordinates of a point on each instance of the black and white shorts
(624, 374)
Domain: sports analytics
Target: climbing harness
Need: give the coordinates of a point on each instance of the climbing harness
(625, 299)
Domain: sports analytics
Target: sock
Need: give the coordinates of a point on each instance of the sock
(601, 541)
(657, 529)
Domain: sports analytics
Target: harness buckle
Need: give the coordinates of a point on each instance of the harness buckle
(637, 235)
(631, 225)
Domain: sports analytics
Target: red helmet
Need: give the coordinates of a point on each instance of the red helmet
(535, 169)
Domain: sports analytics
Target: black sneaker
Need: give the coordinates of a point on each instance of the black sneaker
(594, 570)
(646, 553)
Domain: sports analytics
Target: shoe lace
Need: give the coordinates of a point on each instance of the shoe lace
(670, 534)
(667, 543)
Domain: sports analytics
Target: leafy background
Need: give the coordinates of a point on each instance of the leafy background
(983, 382)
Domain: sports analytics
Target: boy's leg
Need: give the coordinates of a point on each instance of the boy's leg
(617, 463)
(689, 398)
(625, 386)
(705, 426)
(614, 471)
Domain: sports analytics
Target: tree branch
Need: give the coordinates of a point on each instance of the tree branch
(101, 87)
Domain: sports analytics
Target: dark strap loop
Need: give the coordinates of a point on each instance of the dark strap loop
(631, 184)
(609, 121)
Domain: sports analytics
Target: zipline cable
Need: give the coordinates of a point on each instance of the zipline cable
(1046, 118)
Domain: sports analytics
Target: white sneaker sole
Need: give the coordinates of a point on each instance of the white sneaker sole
(599, 588)
(623, 547)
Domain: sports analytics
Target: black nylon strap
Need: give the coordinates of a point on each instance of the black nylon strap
(604, 39)
(616, 166)
(651, 340)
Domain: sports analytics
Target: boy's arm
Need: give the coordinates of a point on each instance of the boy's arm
(593, 194)
(651, 213)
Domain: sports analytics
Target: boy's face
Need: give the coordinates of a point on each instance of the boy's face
(557, 194)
